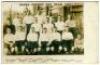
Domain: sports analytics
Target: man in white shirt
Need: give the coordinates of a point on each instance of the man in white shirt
(48, 24)
(20, 40)
(72, 25)
(28, 20)
(39, 18)
(44, 41)
(59, 25)
(55, 41)
(37, 27)
(9, 41)
(16, 21)
(44, 17)
(67, 39)
(32, 44)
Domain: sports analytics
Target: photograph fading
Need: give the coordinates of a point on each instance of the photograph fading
(42, 28)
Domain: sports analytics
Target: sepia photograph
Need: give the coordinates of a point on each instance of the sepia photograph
(43, 28)
(47, 32)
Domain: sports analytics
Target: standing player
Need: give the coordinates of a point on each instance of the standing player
(72, 26)
(39, 18)
(16, 21)
(44, 17)
(28, 20)
(36, 27)
(59, 25)
(48, 24)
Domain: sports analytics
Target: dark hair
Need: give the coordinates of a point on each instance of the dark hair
(7, 29)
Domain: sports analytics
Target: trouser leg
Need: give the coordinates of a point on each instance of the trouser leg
(28, 26)
(56, 46)
(43, 47)
(69, 45)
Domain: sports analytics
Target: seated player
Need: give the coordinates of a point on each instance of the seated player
(32, 44)
(20, 40)
(9, 41)
(50, 44)
(44, 41)
(78, 44)
(55, 41)
(67, 39)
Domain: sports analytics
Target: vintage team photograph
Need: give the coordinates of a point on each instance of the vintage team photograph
(43, 28)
